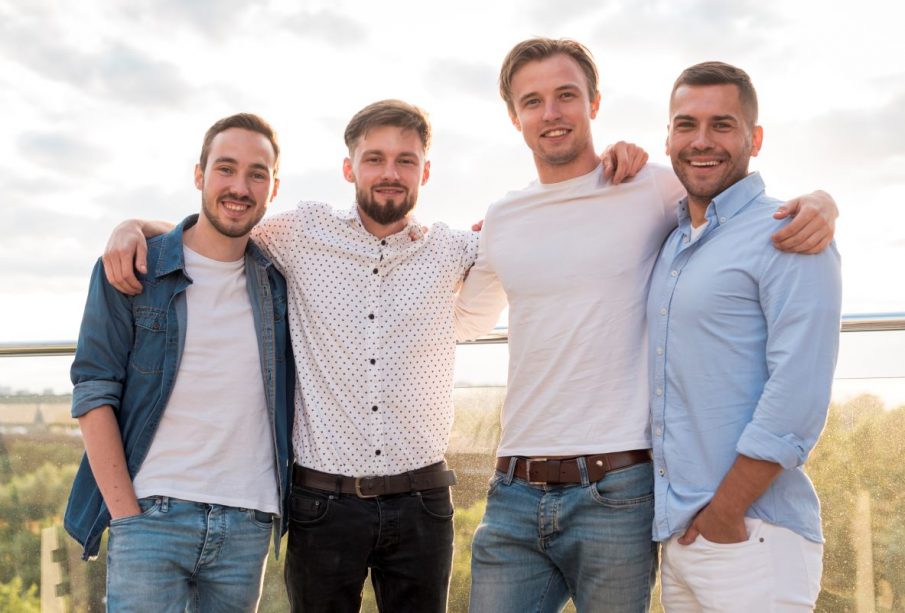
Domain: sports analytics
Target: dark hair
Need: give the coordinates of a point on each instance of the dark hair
(539, 49)
(388, 113)
(245, 121)
(720, 73)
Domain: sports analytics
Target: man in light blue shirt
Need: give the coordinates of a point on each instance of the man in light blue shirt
(743, 342)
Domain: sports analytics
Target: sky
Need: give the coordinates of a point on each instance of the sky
(105, 103)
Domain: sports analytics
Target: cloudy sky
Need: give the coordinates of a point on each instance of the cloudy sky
(105, 103)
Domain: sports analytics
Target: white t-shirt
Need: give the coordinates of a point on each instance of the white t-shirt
(214, 441)
(574, 259)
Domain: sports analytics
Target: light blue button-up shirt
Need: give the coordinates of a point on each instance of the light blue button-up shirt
(743, 341)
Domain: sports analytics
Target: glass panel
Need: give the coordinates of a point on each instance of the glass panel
(855, 468)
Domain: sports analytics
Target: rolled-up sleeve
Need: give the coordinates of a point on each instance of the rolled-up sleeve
(801, 298)
(102, 352)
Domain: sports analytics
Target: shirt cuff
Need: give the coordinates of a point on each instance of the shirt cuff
(89, 395)
(787, 450)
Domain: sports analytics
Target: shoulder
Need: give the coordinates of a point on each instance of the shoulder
(458, 239)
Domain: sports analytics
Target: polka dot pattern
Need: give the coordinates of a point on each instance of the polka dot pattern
(373, 335)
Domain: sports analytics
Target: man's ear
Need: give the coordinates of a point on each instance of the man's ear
(425, 175)
(347, 170)
(199, 177)
(757, 139)
(595, 105)
(276, 188)
(514, 119)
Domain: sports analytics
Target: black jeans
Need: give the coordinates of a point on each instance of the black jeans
(406, 540)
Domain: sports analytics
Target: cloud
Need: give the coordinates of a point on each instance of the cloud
(455, 76)
(328, 26)
(210, 17)
(60, 152)
(117, 70)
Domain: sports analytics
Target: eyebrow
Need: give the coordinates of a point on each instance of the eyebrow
(234, 161)
(561, 88)
(714, 118)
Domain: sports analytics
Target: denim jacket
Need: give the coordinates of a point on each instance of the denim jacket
(128, 355)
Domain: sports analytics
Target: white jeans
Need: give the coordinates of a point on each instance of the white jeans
(775, 570)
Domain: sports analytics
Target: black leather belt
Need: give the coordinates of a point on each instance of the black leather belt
(427, 478)
(556, 471)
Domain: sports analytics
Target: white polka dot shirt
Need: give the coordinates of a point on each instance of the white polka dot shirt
(372, 324)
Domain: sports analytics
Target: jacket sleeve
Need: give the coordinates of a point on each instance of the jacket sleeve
(102, 352)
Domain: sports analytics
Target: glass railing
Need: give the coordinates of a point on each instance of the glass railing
(855, 468)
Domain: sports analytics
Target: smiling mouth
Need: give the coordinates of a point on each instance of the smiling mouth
(554, 133)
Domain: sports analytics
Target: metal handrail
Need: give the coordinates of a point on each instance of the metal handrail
(870, 322)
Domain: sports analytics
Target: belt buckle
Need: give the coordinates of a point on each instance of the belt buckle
(358, 491)
(528, 462)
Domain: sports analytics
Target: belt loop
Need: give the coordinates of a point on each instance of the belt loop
(582, 463)
(338, 485)
(164, 504)
(511, 472)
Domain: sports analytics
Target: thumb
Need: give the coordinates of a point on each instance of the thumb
(141, 257)
(689, 537)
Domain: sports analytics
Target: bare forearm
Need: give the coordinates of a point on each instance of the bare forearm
(154, 227)
(104, 446)
(745, 482)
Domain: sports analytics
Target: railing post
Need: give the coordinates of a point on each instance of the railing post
(862, 541)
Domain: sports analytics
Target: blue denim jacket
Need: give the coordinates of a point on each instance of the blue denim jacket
(128, 355)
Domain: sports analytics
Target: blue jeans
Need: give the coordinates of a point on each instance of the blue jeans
(179, 555)
(539, 545)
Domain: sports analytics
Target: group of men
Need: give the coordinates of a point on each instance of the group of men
(666, 382)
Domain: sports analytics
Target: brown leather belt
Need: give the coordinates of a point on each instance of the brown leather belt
(548, 471)
(427, 478)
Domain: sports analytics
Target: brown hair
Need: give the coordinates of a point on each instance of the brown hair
(720, 73)
(394, 113)
(245, 121)
(535, 49)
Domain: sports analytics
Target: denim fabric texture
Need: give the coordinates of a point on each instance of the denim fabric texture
(540, 545)
(178, 552)
(128, 356)
(406, 540)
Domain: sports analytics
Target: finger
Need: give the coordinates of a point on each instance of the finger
(639, 160)
(798, 223)
(476, 227)
(141, 257)
(804, 237)
(608, 166)
(689, 537)
(622, 163)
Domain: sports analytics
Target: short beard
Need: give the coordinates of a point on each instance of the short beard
(384, 214)
(209, 208)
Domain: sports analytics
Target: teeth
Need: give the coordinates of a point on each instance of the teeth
(559, 132)
(703, 164)
(234, 207)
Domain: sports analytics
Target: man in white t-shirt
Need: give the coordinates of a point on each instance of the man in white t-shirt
(183, 395)
(570, 507)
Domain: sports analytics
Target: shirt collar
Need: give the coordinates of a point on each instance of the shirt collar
(352, 216)
(727, 203)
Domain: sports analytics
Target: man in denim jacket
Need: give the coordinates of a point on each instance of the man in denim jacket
(184, 397)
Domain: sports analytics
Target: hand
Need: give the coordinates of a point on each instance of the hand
(622, 161)
(126, 247)
(476, 227)
(812, 226)
(415, 235)
(126, 510)
(716, 528)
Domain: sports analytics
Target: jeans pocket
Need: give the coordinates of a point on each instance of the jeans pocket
(494, 483)
(260, 518)
(148, 506)
(437, 503)
(626, 487)
(307, 507)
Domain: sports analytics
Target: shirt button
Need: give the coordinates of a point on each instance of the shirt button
(659, 431)
(674, 273)
(659, 391)
(663, 311)
(722, 220)
(377, 452)
(370, 315)
(661, 472)
(375, 271)
(659, 350)
(374, 408)
(685, 240)
(373, 361)
(383, 242)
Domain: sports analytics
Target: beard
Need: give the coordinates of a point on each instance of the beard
(227, 227)
(391, 211)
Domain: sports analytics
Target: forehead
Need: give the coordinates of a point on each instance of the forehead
(390, 140)
(244, 146)
(706, 100)
(550, 73)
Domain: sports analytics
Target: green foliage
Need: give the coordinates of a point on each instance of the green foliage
(13, 599)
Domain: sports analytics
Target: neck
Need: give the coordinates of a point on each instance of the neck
(697, 210)
(584, 163)
(211, 244)
(382, 230)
